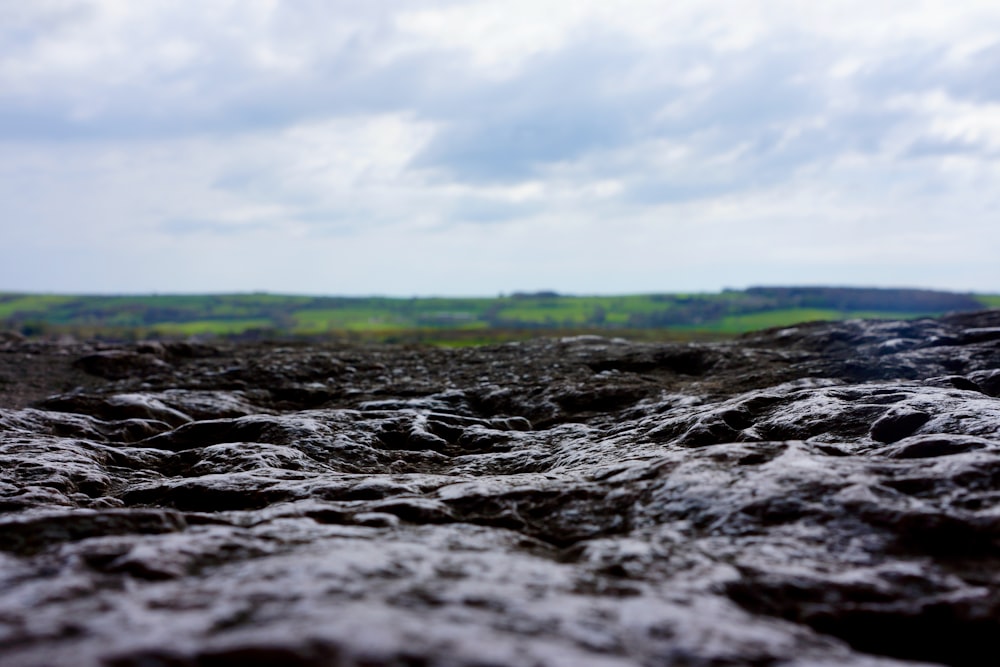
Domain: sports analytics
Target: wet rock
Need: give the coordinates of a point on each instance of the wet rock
(120, 364)
(988, 381)
(117, 406)
(929, 446)
(11, 337)
(826, 494)
(29, 534)
(979, 335)
(897, 424)
(190, 349)
(956, 381)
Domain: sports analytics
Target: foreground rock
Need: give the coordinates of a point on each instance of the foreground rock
(822, 495)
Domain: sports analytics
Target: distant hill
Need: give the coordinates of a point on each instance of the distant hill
(466, 319)
(887, 300)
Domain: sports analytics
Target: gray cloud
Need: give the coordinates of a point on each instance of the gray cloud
(937, 147)
(976, 79)
(485, 210)
(190, 227)
(24, 24)
(274, 119)
(559, 107)
(922, 68)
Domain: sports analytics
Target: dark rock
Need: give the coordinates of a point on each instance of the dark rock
(979, 335)
(119, 406)
(120, 364)
(897, 424)
(27, 535)
(8, 337)
(929, 446)
(825, 494)
(956, 381)
(191, 349)
(988, 381)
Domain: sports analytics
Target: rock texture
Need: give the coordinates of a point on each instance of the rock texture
(827, 494)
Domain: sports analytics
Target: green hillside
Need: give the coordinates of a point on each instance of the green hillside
(469, 320)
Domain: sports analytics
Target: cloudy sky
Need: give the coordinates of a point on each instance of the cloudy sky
(478, 147)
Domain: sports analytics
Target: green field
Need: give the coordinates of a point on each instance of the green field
(782, 318)
(466, 321)
(990, 300)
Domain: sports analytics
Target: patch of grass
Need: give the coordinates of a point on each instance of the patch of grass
(319, 321)
(737, 324)
(210, 327)
(12, 304)
(989, 300)
(774, 318)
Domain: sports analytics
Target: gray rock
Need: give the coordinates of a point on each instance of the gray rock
(827, 494)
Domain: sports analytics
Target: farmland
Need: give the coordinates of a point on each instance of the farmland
(466, 320)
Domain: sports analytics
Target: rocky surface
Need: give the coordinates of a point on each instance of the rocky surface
(827, 494)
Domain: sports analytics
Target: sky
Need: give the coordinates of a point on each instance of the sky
(479, 147)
